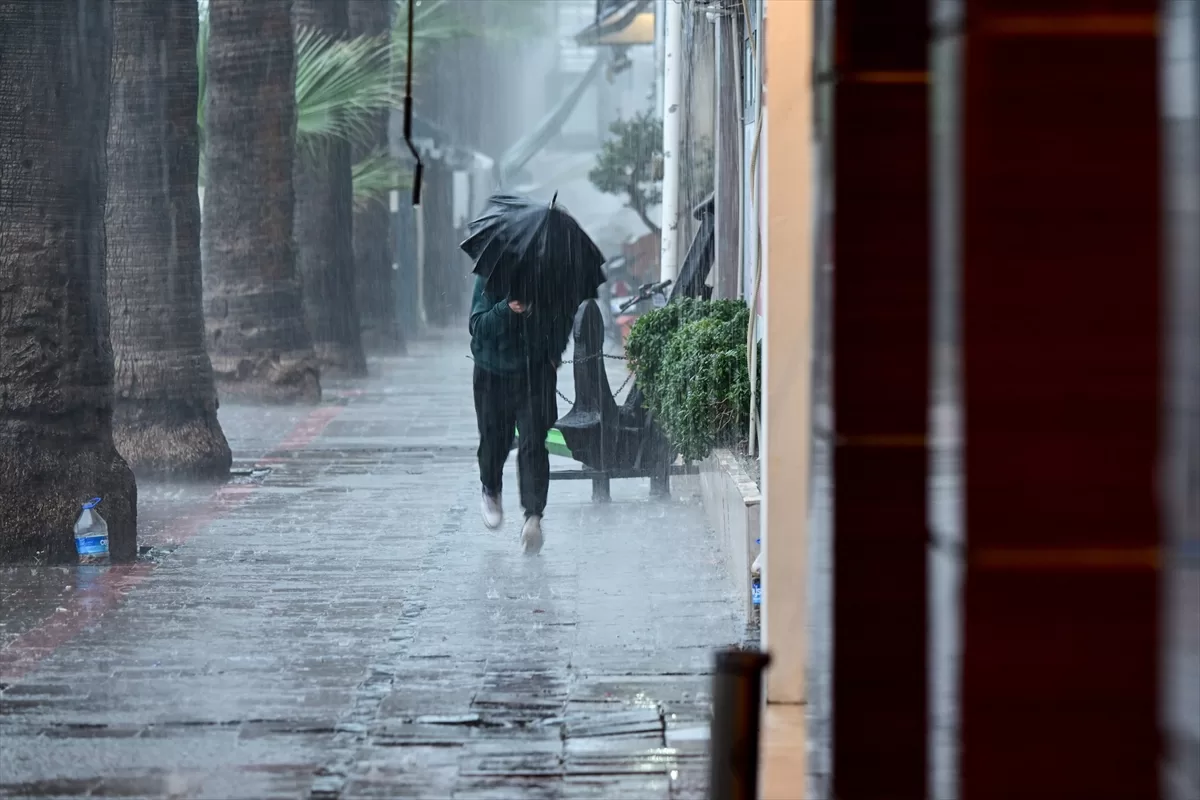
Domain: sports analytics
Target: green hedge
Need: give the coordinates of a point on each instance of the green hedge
(690, 362)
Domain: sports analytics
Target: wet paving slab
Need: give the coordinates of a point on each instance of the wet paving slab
(344, 626)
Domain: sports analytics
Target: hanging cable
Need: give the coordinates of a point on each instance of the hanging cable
(408, 108)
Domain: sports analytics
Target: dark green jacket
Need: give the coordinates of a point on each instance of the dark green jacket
(504, 341)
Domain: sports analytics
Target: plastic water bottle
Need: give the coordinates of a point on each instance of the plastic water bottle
(756, 577)
(91, 535)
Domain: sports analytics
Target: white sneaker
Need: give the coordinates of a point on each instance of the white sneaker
(493, 511)
(531, 535)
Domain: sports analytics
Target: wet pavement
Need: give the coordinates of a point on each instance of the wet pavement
(337, 622)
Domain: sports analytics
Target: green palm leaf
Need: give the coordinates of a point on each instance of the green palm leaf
(375, 176)
(439, 20)
(341, 84)
(432, 22)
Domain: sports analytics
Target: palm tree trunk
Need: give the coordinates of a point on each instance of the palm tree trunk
(166, 402)
(56, 373)
(373, 252)
(324, 226)
(259, 346)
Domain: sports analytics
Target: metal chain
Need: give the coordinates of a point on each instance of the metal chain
(586, 359)
(583, 360)
(620, 389)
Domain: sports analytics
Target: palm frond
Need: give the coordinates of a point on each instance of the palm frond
(443, 19)
(433, 21)
(375, 176)
(341, 84)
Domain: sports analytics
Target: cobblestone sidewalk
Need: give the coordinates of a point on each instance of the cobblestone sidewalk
(344, 626)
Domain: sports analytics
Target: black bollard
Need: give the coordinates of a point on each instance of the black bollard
(737, 707)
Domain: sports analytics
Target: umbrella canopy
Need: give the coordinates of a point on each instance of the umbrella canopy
(534, 252)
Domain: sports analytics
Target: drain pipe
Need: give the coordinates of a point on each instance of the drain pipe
(737, 709)
(672, 139)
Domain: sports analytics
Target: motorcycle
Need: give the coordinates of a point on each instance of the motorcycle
(628, 310)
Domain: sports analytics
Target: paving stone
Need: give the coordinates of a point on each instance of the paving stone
(616, 723)
(511, 765)
(656, 760)
(624, 745)
(508, 788)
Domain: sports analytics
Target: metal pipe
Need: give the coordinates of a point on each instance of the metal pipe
(737, 709)
(672, 138)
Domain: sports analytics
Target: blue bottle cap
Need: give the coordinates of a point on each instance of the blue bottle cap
(95, 501)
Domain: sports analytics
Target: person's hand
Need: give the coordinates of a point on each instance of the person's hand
(517, 306)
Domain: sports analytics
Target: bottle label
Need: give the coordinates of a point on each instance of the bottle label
(756, 593)
(92, 545)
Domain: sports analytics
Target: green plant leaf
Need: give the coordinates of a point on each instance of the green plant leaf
(627, 163)
(690, 362)
(433, 21)
(375, 176)
(341, 85)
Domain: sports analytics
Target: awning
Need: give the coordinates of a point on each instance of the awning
(628, 23)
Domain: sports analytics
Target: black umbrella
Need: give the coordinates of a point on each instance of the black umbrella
(533, 252)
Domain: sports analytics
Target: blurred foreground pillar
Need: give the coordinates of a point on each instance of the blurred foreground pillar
(787, 345)
(880, 395)
(1056, 277)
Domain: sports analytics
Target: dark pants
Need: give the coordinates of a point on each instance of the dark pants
(526, 401)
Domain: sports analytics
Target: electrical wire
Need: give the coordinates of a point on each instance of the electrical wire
(408, 109)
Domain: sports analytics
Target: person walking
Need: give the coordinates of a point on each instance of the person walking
(517, 345)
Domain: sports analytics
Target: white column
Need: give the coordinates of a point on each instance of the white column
(672, 131)
(660, 27)
(419, 230)
(787, 346)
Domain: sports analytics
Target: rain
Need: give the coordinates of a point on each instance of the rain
(692, 399)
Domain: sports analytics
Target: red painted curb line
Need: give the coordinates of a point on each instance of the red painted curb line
(88, 605)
